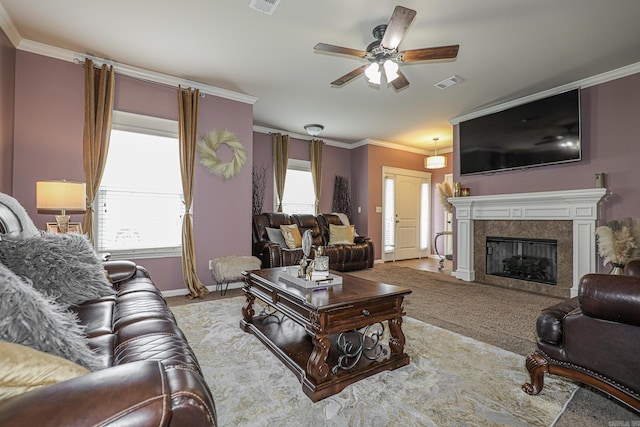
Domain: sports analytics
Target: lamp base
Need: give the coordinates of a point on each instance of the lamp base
(63, 223)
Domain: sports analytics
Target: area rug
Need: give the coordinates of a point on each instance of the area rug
(452, 380)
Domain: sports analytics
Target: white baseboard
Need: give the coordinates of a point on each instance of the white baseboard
(212, 288)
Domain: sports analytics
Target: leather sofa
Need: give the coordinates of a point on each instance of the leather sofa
(593, 338)
(342, 257)
(152, 376)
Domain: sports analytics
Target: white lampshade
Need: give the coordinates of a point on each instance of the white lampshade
(390, 70)
(373, 73)
(61, 196)
(435, 162)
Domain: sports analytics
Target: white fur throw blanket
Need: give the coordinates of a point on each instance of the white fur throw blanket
(28, 227)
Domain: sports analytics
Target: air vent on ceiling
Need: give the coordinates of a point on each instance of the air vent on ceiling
(264, 6)
(453, 80)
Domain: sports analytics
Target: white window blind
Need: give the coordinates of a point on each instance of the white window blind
(299, 196)
(140, 203)
(389, 213)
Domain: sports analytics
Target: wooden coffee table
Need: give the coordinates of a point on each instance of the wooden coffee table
(329, 337)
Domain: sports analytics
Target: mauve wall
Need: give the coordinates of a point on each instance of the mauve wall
(7, 85)
(610, 142)
(49, 116)
(360, 190)
(335, 161)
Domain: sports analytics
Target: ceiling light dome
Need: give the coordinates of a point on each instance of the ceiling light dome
(313, 129)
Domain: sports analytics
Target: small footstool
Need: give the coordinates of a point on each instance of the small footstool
(227, 269)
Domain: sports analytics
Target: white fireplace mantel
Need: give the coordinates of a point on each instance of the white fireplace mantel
(579, 206)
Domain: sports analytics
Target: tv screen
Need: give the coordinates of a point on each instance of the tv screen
(542, 132)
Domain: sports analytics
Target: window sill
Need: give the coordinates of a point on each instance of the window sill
(142, 254)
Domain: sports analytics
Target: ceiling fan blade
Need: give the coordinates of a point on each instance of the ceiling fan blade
(349, 76)
(398, 24)
(400, 82)
(338, 49)
(441, 52)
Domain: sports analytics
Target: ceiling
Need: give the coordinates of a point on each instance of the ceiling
(508, 49)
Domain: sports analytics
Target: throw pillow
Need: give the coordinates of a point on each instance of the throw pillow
(29, 318)
(64, 266)
(275, 236)
(291, 236)
(341, 234)
(23, 369)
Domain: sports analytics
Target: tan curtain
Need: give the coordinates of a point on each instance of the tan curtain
(188, 130)
(99, 89)
(280, 162)
(316, 169)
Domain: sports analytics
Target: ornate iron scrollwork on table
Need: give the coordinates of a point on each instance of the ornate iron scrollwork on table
(354, 345)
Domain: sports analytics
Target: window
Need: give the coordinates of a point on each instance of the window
(140, 203)
(389, 214)
(299, 196)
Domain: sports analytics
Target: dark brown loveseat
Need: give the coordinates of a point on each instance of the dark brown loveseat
(342, 257)
(151, 376)
(593, 338)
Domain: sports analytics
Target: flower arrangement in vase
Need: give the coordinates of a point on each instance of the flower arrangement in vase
(617, 241)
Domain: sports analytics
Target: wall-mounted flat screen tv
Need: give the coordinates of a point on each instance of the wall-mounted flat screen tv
(541, 132)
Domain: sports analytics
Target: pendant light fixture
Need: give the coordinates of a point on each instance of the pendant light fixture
(435, 161)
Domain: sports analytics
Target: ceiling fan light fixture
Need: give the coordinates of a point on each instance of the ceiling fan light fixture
(314, 129)
(373, 73)
(390, 70)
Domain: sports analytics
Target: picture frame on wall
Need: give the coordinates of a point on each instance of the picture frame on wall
(74, 227)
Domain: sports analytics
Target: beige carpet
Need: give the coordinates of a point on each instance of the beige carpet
(498, 316)
(452, 380)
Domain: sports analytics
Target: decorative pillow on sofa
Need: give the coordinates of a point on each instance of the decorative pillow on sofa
(63, 266)
(292, 236)
(29, 318)
(275, 236)
(341, 234)
(23, 369)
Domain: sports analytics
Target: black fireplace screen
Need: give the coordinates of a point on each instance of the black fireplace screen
(534, 260)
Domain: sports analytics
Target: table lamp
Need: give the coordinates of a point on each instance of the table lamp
(61, 196)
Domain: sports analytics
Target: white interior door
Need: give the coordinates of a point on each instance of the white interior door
(407, 210)
(406, 213)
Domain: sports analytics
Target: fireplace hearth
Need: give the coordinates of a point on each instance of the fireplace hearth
(567, 215)
(533, 260)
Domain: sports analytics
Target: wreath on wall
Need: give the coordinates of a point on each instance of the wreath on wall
(209, 144)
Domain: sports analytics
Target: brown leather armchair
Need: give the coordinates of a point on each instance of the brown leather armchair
(358, 256)
(593, 338)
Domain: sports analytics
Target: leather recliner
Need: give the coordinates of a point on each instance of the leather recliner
(342, 257)
(593, 338)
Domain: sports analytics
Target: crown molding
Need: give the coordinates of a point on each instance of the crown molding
(582, 84)
(394, 146)
(8, 27)
(302, 136)
(131, 71)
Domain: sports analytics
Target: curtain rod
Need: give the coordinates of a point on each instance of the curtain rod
(165, 79)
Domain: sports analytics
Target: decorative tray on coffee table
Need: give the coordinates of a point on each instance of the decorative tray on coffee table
(318, 280)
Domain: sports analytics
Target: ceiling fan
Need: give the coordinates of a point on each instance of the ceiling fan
(383, 52)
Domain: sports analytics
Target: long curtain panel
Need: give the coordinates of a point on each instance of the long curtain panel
(188, 103)
(316, 169)
(98, 111)
(280, 162)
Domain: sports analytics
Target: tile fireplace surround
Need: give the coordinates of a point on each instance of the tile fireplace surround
(567, 214)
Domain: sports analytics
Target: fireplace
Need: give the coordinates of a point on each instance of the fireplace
(534, 260)
(566, 216)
